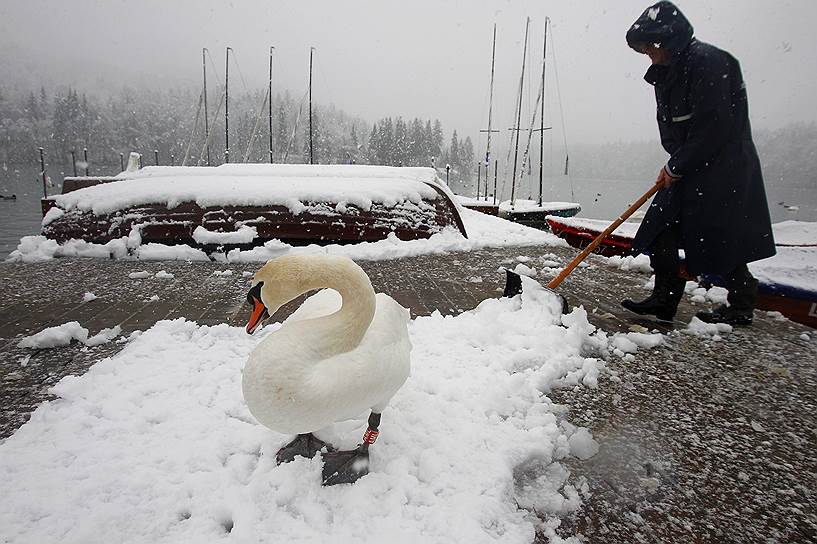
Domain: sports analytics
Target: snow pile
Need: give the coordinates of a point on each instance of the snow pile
(701, 328)
(244, 235)
(164, 275)
(104, 336)
(161, 252)
(582, 444)
(88, 297)
(52, 215)
(141, 275)
(156, 444)
(257, 185)
(53, 337)
(525, 270)
(715, 294)
(638, 263)
(39, 248)
(484, 231)
(63, 335)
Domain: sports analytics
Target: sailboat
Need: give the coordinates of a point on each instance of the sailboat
(482, 202)
(528, 211)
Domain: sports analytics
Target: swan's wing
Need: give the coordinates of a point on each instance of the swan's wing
(324, 302)
(368, 376)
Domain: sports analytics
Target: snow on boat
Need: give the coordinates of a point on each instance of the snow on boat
(246, 205)
(788, 281)
(530, 213)
(482, 205)
(579, 232)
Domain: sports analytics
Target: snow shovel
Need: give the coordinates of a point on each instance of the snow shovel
(513, 283)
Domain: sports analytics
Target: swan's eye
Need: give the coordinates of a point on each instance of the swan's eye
(255, 293)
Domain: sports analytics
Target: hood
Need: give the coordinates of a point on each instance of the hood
(662, 24)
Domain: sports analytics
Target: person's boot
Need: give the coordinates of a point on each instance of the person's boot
(741, 298)
(663, 302)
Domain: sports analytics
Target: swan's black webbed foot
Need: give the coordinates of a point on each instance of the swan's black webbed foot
(346, 467)
(305, 445)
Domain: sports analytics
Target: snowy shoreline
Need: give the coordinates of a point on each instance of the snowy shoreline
(156, 444)
(484, 231)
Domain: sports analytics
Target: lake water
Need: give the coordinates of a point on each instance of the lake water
(600, 199)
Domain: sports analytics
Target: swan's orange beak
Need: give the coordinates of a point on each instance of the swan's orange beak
(259, 314)
(259, 311)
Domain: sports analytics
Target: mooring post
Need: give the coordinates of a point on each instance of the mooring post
(172, 159)
(156, 156)
(496, 169)
(447, 172)
(74, 162)
(85, 156)
(479, 177)
(121, 162)
(42, 169)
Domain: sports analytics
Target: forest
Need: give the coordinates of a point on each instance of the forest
(170, 125)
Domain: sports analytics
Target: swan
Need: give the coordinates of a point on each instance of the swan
(344, 351)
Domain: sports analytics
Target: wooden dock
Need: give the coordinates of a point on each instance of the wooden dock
(681, 458)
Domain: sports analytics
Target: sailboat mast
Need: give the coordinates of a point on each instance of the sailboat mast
(542, 117)
(490, 114)
(206, 119)
(271, 49)
(311, 148)
(519, 112)
(227, 107)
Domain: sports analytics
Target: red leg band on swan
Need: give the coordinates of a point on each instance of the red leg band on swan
(370, 436)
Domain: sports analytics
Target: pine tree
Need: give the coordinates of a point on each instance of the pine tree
(437, 141)
(428, 138)
(400, 143)
(467, 157)
(454, 158)
(374, 145)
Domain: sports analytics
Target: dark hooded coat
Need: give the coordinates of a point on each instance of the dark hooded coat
(703, 120)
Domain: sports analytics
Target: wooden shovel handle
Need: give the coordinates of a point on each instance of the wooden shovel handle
(589, 249)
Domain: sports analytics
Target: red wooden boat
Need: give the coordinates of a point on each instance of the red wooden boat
(797, 303)
(297, 204)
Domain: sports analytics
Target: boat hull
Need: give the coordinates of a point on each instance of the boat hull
(537, 218)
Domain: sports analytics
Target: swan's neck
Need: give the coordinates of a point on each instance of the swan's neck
(343, 330)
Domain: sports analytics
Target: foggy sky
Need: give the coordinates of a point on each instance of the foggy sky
(417, 58)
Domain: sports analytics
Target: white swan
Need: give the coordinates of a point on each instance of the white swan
(344, 351)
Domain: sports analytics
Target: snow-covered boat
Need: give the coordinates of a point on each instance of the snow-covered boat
(482, 204)
(245, 205)
(788, 281)
(532, 214)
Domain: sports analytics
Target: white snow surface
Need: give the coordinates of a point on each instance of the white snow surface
(52, 215)
(786, 233)
(287, 185)
(244, 235)
(62, 335)
(484, 231)
(155, 444)
(524, 205)
(792, 266)
(795, 233)
(53, 337)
